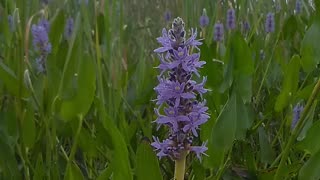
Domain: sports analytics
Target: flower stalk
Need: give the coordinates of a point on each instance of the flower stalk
(180, 166)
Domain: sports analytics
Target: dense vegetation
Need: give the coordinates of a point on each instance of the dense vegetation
(78, 81)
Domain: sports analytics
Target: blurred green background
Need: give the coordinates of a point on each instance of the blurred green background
(90, 115)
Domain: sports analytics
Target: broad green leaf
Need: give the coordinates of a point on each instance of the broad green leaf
(310, 49)
(5, 30)
(308, 143)
(244, 87)
(28, 128)
(8, 163)
(240, 52)
(238, 61)
(213, 68)
(266, 151)
(231, 124)
(56, 30)
(39, 169)
(147, 163)
(11, 82)
(290, 27)
(82, 100)
(310, 170)
(87, 143)
(223, 133)
(290, 83)
(73, 172)
(199, 170)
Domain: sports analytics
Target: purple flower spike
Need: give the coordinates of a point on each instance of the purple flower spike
(181, 107)
(41, 42)
(270, 24)
(204, 19)
(218, 32)
(297, 110)
(298, 7)
(231, 19)
(41, 39)
(246, 26)
(167, 16)
(69, 28)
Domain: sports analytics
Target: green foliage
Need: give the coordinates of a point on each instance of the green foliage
(89, 116)
(147, 163)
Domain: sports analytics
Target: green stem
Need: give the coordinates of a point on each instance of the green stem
(180, 166)
(297, 130)
(223, 167)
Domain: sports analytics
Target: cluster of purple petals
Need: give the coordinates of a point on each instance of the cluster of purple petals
(297, 110)
(231, 19)
(218, 32)
(167, 16)
(270, 24)
(298, 6)
(181, 107)
(41, 42)
(204, 19)
(69, 28)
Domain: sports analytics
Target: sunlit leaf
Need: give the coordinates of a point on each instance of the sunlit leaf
(147, 163)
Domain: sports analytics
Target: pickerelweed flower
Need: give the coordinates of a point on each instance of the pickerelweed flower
(218, 32)
(44, 23)
(181, 107)
(204, 19)
(68, 28)
(231, 19)
(270, 24)
(246, 26)
(296, 112)
(41, 42)
(298, 8)
(167, 16)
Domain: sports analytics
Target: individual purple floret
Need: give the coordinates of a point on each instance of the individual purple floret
(204, 19)
(68, 28)
(181, 107)
(296, 115)
(41, 42)
(231, 19)
(218, 32)
(270, 24)
(167, 16)
(298, 7)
